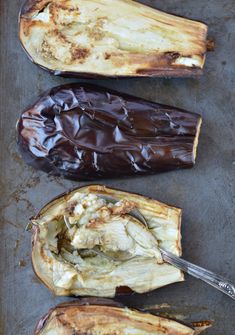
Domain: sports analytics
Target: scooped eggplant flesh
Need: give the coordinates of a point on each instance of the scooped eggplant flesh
(82, 318)
(111, 38)
(85, 245)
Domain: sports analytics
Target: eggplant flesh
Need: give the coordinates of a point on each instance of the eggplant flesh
(91, 316)
(111, 38)
(84, 245)
(86, 132)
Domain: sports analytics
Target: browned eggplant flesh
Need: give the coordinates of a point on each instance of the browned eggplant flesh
(86, 245)
(94, 317)
(86, 132)
(112, 38)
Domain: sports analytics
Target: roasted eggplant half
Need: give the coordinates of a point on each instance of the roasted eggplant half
(86, 244)
(92, 316)
(86, 132)
(112, 38)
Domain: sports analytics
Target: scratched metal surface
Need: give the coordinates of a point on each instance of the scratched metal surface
(205, 193)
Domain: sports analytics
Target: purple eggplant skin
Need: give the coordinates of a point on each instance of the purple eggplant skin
(87, 132)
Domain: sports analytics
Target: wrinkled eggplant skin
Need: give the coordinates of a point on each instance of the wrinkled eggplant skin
(86, 132)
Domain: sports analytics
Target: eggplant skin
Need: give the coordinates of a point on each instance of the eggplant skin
(94, 316)
(110, 38)
(87, 132)
(100, 278)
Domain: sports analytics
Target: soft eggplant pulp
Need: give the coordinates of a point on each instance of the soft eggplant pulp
(102, 247)
(111, 38)
(87, 132)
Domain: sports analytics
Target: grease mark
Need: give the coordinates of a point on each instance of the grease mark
(22, 263)
(17, 243)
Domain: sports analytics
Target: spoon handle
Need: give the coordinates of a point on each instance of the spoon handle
(220, 283)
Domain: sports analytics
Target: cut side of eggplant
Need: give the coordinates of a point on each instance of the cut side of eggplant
(93, 317)
(111, 38)
(84, 245)
(87, 132)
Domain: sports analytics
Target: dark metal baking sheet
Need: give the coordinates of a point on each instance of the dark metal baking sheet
(205, 193)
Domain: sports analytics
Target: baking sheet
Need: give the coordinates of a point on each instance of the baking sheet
(205, 193)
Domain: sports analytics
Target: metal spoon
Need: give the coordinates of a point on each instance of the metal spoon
(220, 283)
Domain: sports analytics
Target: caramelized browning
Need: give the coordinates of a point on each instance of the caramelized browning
(97, 38)
(83, 318)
